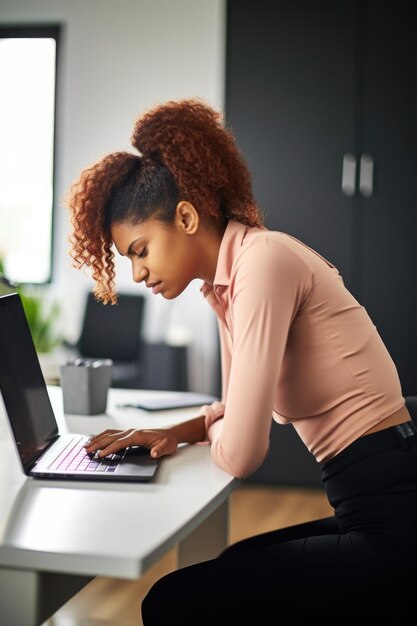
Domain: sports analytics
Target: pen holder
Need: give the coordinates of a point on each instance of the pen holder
(85, 384)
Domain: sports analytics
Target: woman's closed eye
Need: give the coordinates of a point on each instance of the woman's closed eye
(142, 253)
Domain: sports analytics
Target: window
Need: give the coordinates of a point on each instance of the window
(28, 61)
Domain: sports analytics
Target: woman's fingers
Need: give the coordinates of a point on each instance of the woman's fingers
(111, 441)
(110, 431)
(160, 443)
(111, 445)
(159, 450)
(104, 439)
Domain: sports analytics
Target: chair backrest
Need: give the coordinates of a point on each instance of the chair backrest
(411, 403)
(113, 331)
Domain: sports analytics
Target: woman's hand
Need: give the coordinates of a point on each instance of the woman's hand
(161, 441)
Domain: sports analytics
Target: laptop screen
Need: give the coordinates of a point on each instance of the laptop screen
(22, 383)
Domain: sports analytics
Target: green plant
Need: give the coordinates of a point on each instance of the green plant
(43, 321)
(5, 285)
(42, 315)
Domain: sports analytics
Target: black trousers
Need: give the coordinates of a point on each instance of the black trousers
(360, 563)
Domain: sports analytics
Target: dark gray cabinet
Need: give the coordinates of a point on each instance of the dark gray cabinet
(322, 98)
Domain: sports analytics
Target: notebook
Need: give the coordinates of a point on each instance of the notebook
(43, 451)
(176, 400)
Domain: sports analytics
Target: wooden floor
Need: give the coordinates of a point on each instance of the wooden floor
(109, 601)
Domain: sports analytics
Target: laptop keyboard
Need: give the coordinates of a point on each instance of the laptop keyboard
(74, 458)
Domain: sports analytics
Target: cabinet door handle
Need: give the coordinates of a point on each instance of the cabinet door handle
(349, 174)
(366, 177)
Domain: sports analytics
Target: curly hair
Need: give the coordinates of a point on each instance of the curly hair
(185, 153)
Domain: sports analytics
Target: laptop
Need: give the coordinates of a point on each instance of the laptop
(42, 450)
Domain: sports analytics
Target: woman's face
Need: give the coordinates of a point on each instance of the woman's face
(164, 256)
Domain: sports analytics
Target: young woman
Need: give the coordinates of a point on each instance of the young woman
(295, 345)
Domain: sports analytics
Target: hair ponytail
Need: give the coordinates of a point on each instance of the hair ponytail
(189, 139)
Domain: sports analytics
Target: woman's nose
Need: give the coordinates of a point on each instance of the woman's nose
(139, 273)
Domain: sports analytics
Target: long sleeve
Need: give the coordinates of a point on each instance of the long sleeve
(268, 283)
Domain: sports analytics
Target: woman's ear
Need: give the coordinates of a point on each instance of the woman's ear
(187, 217)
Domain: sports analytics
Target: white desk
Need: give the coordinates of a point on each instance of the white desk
(56, 536)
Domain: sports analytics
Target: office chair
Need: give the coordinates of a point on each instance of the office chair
(411, 404)
(115, 332)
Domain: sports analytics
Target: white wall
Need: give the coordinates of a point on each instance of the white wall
(118, 57)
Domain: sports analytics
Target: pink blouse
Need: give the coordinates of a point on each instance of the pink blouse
(295, 346)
